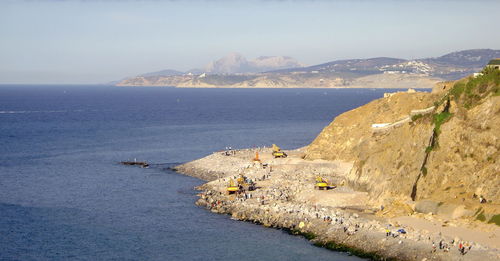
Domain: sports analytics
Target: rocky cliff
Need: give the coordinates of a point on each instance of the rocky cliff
(438, 151)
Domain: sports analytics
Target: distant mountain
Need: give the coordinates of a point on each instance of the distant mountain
(368, 66)
(236, 63)
(162, 73)
(469, 58)
(235, 70)
(457, 65)
(450, 66)
(267, 63)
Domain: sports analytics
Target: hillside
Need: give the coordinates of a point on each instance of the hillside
(362, 66)
(437, 151)
(284, 72)
(452, 66)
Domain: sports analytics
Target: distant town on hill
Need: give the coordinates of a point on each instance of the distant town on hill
(236, 71)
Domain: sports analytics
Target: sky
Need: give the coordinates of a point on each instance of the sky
(90, 41)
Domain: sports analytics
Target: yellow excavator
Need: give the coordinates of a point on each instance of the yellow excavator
(245, 183)
(278, 153)
(322, 184)
(232, 187)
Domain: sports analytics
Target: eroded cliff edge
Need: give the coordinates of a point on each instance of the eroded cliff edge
(439, 150)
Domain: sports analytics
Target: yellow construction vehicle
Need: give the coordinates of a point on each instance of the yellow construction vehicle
(232, 187)
(241, 180)
(245, 183)
(256, 159)
(277, 152)
(322, 184)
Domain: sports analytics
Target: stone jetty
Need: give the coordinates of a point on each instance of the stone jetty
(340, 218)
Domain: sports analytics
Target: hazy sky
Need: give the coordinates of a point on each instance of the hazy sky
(99, 41)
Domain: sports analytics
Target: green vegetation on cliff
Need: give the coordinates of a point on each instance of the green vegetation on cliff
(495, 220)
(472, 90)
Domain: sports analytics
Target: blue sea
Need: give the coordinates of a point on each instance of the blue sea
(64, 195)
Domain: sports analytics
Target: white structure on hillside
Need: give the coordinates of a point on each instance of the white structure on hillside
(495, 63)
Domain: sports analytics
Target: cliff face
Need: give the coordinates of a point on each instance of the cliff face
(345, 136)
(448, 154)
(467, 161)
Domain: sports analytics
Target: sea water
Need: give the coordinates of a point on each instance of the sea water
(64, 195)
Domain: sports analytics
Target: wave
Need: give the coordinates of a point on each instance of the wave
(53, 111)
(12, 112)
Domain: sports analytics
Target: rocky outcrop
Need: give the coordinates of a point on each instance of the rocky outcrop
(448, 154)
(466, 163)
(350, 131)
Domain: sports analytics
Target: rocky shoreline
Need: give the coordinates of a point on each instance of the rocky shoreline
(339, 219)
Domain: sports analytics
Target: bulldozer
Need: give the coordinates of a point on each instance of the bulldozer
(232, 187)
(323, 184)
(278, 153)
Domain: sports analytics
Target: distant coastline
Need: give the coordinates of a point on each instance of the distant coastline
(382, 81)
(380, 72)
